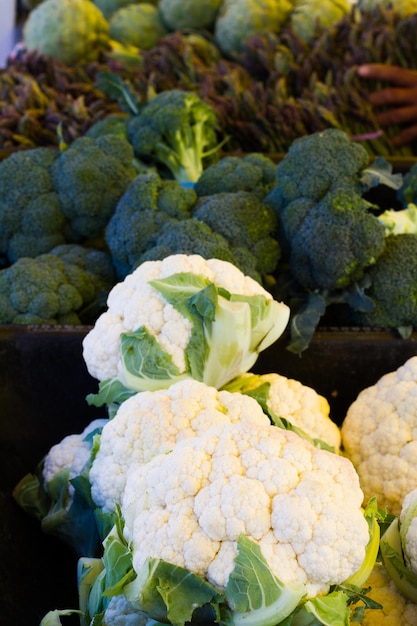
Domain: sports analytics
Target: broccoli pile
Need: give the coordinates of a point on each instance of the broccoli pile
(393, 287)
(329, 232)
(69, 285)
(50, 197)
(157, 217)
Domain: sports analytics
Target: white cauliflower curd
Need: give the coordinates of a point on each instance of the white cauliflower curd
(379, 436)
(301, 504)
(151, 422)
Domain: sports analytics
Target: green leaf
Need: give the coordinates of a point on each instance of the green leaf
(146, 366)
(115, 87)
(53, 617)
(393, 559)
(170, 593)
(111, 392)
(329, 610)
(380, 173)
(305, 322)
(255, 595)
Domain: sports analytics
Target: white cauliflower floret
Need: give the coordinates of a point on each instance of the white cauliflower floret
(379, 435)
(299, 404)
(72, 453)
(235, 329)
(301, 504)
(151, 422)
(120, 612)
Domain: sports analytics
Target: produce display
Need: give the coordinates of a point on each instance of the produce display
(189, 183)
(202, 478)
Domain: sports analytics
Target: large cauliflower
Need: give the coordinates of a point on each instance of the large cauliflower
(379, 436)
(72, 31)
(151, 422)
(301, 504)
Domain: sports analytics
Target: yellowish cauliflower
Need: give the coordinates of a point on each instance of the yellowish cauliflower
(71, 31)
(396, 609)
(301, 504)
(379, 436)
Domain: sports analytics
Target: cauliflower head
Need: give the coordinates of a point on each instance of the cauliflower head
(71, 31)
(379, 436)
(240, 20)
(182, 317)
(301, 504)
(151, 422)
(396, 609)
(289, 398)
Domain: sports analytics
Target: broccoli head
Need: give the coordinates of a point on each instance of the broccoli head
(336, 241)
(90, 177)
(177, 130)
(314, 164)
(31, 219)
(253, 172)
(393, 286)
(147, 204)
(192, 236)
(246, 222)
(48, 290)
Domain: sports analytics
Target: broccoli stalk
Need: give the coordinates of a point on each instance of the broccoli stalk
(177, 130)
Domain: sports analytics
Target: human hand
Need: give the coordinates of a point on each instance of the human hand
(399, 99)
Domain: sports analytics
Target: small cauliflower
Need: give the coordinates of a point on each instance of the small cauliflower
(151, 422)
(288, 398)
(120, 612)
(395, 609)
(379, 436)
(181, 317)
(300, 504)
(71, 31)
(57, 495)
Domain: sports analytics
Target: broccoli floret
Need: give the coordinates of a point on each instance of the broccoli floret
(177, 130)
(393, 287)
(245, 222)
(337, 240)
(314, 164)
(111, 125)
(192, 236)
(187, 14)
(253, 172)
(48, 290)
(96, 262)
(90, 177)
(147, 204)
(31, 219)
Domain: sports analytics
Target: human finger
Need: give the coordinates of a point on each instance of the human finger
(401, 115)
(404, 137)
(388, 73)
(393, 96)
